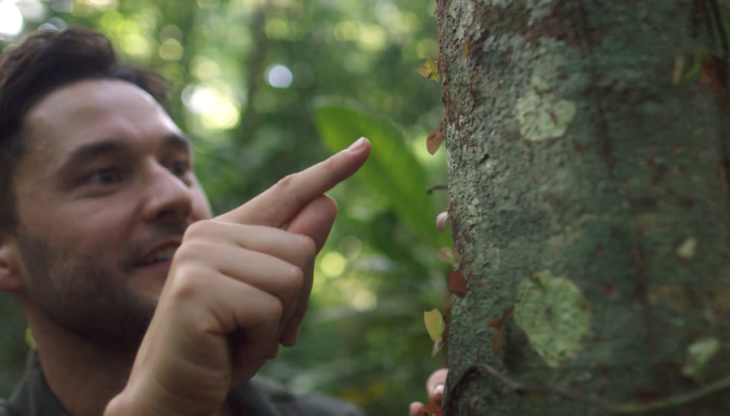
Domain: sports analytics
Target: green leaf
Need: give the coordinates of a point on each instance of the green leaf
(29, 339)
(430, 70)
(392, 170)
(449, 255)
(434, 324)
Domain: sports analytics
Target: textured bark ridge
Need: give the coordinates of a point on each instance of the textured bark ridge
(588, 145)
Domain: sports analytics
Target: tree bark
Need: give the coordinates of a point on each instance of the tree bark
(588, 149)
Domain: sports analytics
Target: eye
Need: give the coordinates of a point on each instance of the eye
(180, 168)
(104, 177)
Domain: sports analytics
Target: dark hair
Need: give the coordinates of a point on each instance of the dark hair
(45, 61)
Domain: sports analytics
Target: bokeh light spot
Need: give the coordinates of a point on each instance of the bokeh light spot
(277, 29)
(372, 37)
(279, 76)
(225, 115)
(365, 300)
(333, 264)
(204, 68)
(217, 110)
(171, 50)
(11, 20)
(351, 247)
(202, 100)
(135, 45)
(62, 6)
(347, 31)
(171, 31)
(32, 10)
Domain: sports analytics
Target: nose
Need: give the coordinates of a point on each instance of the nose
(168, 197)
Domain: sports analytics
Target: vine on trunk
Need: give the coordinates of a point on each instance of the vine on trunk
(607, 406)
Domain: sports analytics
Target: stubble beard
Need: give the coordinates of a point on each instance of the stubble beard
(86, 295)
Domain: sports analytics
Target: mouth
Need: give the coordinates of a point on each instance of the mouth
(160, 255)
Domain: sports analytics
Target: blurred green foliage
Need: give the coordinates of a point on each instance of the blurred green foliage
(267, 88)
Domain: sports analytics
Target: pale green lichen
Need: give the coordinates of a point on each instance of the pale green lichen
(473, 213)
(686, 250)
(541, 115)
(561, 241)
(680, 297)
(698, 355)
(554, 315)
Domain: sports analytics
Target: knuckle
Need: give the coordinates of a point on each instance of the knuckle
(285, 182)
(287, 188)
(309, 247)
(189, 250)
(200, 229)
(188, 285)
(274, 308)
(294, 280)
(331, 166)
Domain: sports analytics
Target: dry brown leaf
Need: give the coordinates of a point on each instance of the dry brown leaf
(434, 140)
(712, 73)
(498, 341)
(457, 284)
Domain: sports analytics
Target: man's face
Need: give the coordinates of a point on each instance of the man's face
(104, 194)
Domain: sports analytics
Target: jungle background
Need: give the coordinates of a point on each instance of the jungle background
(266, 88)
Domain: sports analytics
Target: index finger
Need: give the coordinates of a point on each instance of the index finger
(279, 204)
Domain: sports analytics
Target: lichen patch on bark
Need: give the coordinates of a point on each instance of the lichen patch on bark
(686, 250)
(554, 315)
(698, 355)
(561, 241)
(541, 115)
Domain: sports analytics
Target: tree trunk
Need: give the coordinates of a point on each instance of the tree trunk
(588, 145)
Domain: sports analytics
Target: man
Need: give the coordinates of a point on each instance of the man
(139, 301)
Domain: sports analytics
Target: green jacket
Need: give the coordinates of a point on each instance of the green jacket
(257, 398)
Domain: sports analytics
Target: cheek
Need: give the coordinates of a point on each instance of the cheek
(83, 228)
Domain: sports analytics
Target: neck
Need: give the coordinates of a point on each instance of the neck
(83, 376)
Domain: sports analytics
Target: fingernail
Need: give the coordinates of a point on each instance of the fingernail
(357, 145)
(439, 389)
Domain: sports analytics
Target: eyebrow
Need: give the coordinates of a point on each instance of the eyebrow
(91, 151)
(177, 140)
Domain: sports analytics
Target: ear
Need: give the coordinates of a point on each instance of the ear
(11, 264)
